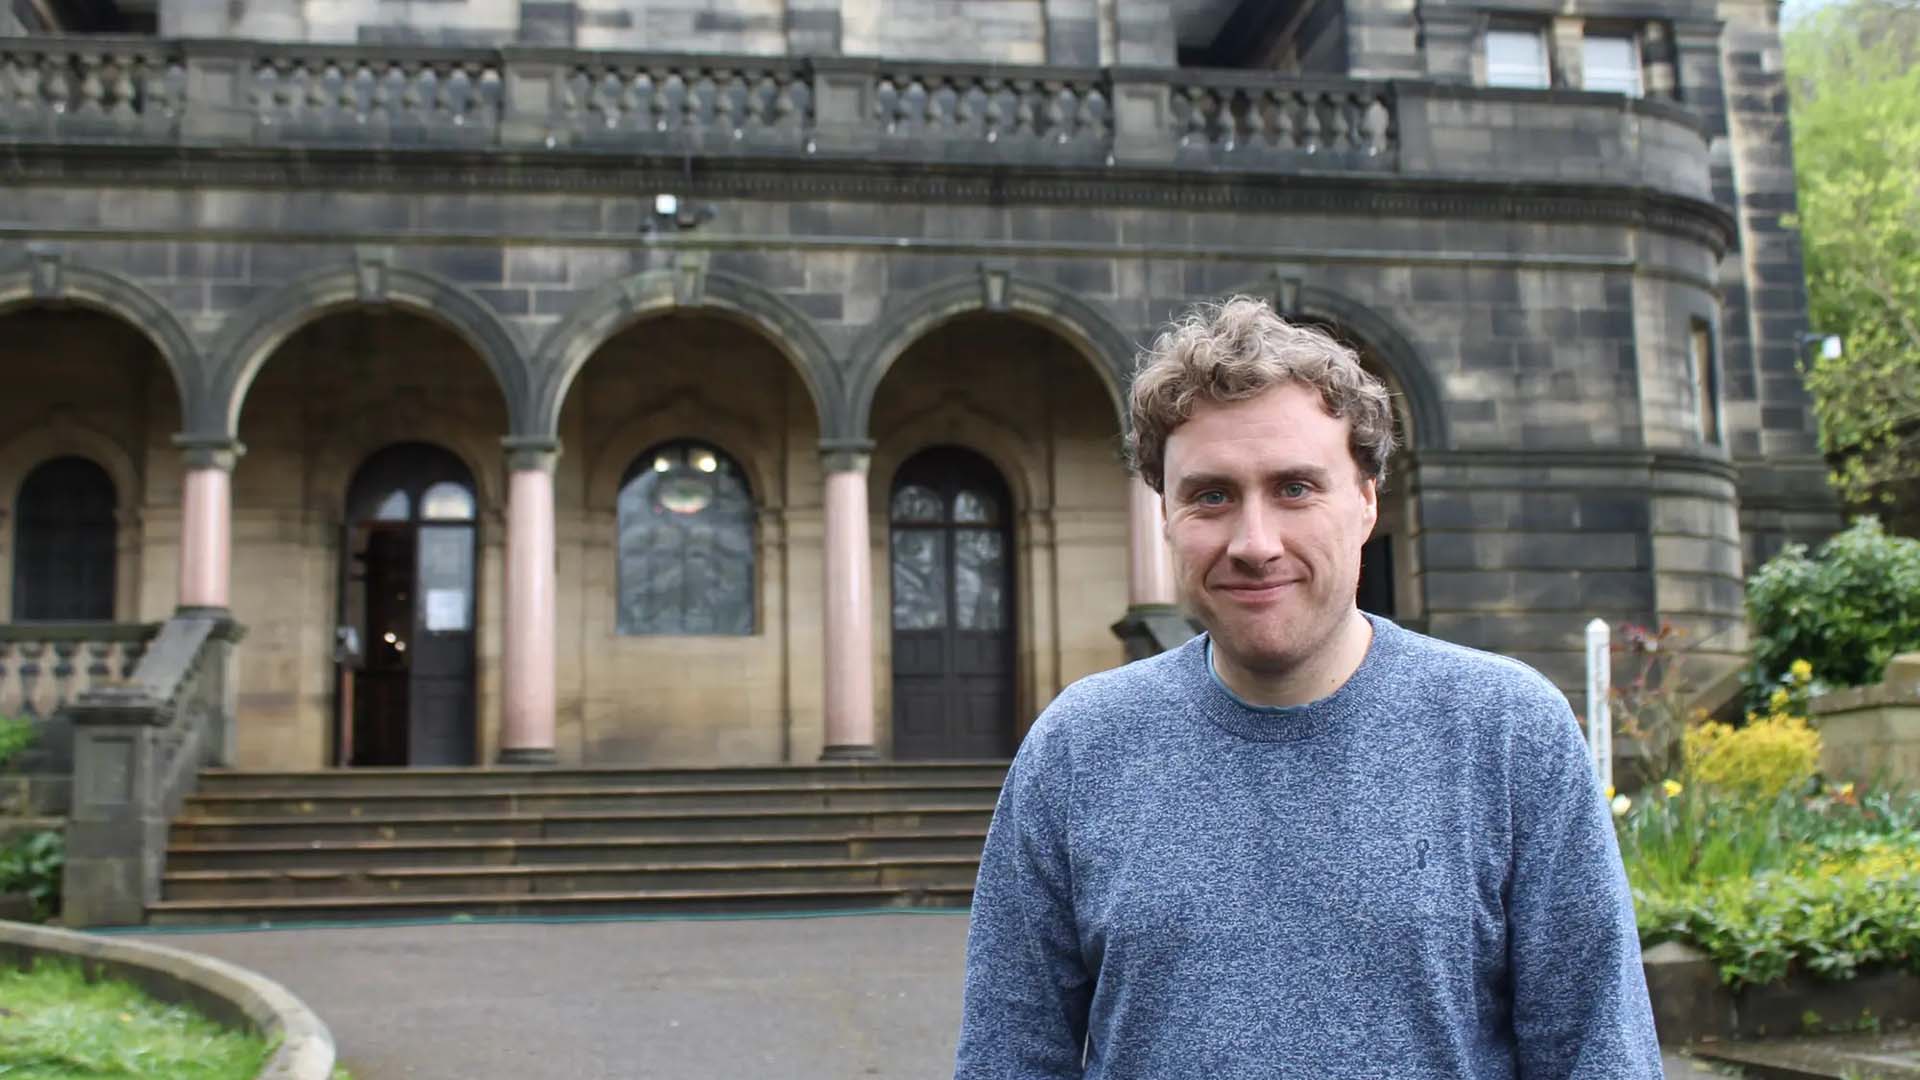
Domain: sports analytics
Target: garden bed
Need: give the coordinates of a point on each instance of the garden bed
(58, 1023)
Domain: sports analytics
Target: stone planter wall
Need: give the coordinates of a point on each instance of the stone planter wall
(1690, 1004)
(1872, 733)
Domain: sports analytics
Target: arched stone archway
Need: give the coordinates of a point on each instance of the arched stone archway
(49, 280)
(1091, 333)
(251, 336)
(616, 306)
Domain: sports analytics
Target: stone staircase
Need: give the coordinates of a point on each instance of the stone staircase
(362, 844)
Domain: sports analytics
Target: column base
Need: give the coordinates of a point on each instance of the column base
(1150, 629)
(526, 755)
(849, 753)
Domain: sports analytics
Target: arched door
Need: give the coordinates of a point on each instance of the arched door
(407, 596)
(952, 573)
(64, 540)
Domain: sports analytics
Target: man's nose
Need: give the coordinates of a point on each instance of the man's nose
(1256, 536)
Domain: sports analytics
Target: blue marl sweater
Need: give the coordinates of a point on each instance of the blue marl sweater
(1414, 877)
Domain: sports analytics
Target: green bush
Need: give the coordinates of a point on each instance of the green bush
(32, 864)
(1847, 609)
(16, 735)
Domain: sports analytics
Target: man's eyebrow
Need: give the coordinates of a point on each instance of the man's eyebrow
(1313, 474)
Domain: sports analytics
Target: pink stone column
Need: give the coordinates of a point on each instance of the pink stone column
(1149, 565)
(848, 614)
(527, 631)
(206, 521)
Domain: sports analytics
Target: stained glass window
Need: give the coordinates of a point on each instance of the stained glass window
(686, 524)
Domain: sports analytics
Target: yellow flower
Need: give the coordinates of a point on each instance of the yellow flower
(1621, 804)
(1780, 700)
(1801, 670)
(1609, 792)
(1672, 788)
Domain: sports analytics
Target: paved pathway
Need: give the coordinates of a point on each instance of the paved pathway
(842, 998)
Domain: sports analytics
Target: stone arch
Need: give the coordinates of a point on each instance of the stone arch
(251, 336)
(618, 304)
(958, 421)
(682, 415)
(1077, 322)
(56, 281)
(64, 437)
(1383, 339)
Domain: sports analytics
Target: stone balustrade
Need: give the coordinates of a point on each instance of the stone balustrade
(43, 666)
(704, 103)
(72, 88)
(1228, 117)
(354, 95)
(215, 94)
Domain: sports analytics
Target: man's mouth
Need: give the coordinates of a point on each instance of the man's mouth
(1256, 590)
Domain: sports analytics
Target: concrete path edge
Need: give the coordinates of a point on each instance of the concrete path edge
(228, 994)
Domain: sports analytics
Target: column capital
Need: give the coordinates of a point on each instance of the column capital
(209, 451)
(846, 455)
(527, 452)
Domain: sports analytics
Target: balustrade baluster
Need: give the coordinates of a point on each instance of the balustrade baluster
(98, 669)
(63, 672)
(30, 654)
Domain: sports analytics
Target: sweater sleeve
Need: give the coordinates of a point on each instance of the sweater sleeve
(1027, 986)
(1580, 1007)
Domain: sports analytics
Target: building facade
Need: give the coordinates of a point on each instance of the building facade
(645, 381)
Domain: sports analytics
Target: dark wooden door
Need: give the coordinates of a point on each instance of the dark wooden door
(408, 590)
(952, 572)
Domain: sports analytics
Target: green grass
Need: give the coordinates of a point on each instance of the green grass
(55, 1025)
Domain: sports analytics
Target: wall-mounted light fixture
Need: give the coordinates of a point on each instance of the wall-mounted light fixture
(671, 213)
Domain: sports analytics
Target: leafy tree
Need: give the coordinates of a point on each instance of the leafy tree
(1853, 72)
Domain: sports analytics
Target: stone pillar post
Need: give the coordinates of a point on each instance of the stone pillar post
(206, 520)
(848, 603)
(1150, 568)
(1153, 623)
(528, 657)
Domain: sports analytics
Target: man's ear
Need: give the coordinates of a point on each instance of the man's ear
(1370, 494)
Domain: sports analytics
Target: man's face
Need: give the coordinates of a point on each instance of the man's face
(1266, 512)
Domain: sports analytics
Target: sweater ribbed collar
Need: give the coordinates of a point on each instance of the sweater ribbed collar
(1364, 689)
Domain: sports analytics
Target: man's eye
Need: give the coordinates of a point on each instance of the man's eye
(1211, 498)
(1294, 490)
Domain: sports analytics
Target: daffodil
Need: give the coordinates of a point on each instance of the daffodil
(1621, 804)
(1609, 792)
(1801, 670)
(1779, 701)
(1672, 787)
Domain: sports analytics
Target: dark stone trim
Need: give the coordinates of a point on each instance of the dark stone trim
(27, 282)
(532, 756)
(619, 304)
(806, 178)
(902, 323)
(249, 337)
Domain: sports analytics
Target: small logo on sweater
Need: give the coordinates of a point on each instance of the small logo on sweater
(1420, 850)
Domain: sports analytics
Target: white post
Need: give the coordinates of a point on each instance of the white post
(1599, 685)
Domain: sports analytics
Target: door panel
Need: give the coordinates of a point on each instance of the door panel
(952, 592)
(408, 587)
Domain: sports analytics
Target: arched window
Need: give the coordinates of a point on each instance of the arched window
(64, 540)
(685, 543)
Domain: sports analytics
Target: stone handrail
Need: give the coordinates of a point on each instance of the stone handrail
(138, 750)
(91, 88)
(45, 666)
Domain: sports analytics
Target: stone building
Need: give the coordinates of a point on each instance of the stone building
(718, 381)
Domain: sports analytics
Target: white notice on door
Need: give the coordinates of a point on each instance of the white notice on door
(446, 610)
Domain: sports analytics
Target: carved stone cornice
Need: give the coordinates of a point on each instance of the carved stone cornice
(1366, 194)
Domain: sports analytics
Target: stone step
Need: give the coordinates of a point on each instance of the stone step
(189, 830)
(500, 799)
(424, 780)
(505, 881)
(659, 902)
(369, 854)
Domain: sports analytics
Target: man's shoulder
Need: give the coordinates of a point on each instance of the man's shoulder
(1446, 674)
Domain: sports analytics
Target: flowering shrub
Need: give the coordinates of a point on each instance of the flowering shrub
(1848, 608)
(1760, 761)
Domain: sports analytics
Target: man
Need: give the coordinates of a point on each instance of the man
(1308, 843)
